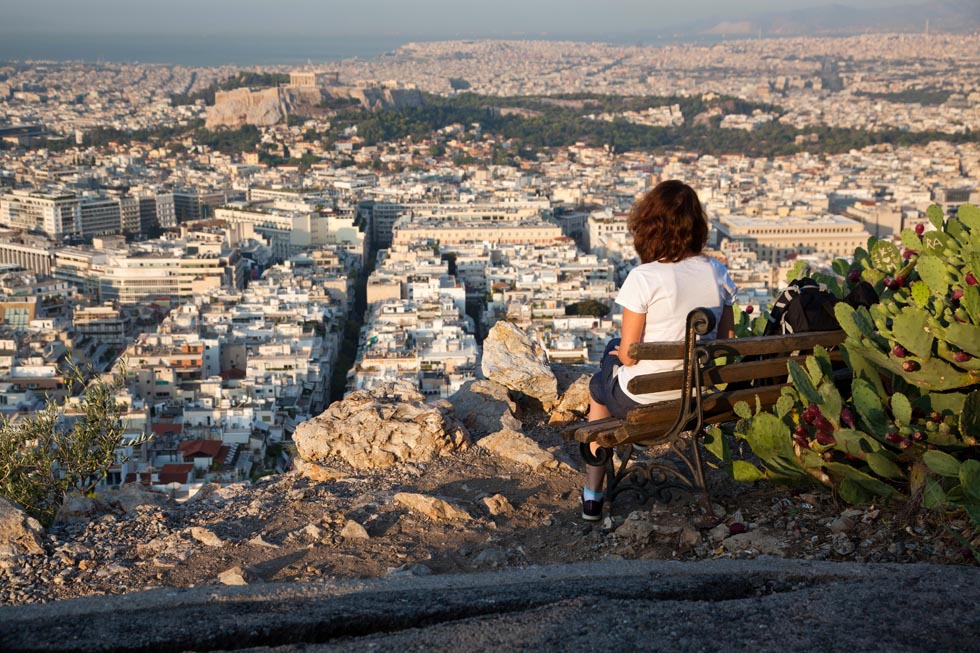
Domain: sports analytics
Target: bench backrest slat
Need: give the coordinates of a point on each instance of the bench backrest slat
(752, 346)
(717, 407)
(716, 375)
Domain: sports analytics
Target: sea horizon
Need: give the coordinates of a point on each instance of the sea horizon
(205, 50)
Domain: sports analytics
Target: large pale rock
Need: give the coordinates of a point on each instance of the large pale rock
(381, 428)
(20, 534)
(485, 407)
(237, 576)
(317, 473)
(206, 537)
(497, 505)
(518, 362)
(432, 507)
(133, 495)
(354, 531)
(758, 541)
(242, 106)
(574, 404)
(518, 448)
(78, 509)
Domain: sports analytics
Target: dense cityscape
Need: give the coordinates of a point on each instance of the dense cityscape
(245, 246)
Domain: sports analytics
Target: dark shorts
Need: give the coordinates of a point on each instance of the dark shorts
(604, 386)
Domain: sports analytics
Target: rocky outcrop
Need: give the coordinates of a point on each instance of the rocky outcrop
(243, 106)
(316, 473)
(271, 106)
(80, 509)
(485, 407)
(381, 428)
(519, 363)
(517, 447)
(20, 534)
(380, 97)
(434, 508)
(574, 404)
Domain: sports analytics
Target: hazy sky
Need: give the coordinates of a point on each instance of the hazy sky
(436, 18)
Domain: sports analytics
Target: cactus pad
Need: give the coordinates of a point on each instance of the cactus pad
(970, 216)
(921, 293)
(911, 240)
(932, 270)
(910, 328)
(869, 407)
(901, 409)
(964, 336)
(886, 257)
(803, 383)
(970, 417)
(934, 241)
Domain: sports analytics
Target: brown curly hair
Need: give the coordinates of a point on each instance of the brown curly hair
(668, 223)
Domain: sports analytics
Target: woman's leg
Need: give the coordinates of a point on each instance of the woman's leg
(595, 474)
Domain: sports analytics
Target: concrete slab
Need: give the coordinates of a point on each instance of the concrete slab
(751, 605)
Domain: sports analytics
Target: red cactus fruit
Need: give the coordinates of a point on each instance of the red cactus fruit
(970, 279)
(898, 351)
(910, 366)
(749, 309)
(854, 275)
(822, 424)
(893, 437)
(847, 417)
(961, 357)
(826, 439)
(919, 229)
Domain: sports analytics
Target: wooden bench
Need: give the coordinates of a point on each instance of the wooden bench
(729, 366)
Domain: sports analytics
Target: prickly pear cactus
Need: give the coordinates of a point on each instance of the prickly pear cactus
(927, 324)
(910, 425)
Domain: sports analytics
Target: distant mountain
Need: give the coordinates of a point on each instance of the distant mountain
(944, 16)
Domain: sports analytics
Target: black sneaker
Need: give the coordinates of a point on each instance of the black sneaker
(591, 510)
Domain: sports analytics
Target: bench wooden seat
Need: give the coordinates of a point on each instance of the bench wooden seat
(727, 365)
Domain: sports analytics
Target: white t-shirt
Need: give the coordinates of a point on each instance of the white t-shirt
(666, 293)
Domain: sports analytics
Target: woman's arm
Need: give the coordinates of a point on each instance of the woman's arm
(633, 324)
(726, 325)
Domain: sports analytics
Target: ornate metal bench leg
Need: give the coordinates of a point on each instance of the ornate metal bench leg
(697, 470)
(615, 476)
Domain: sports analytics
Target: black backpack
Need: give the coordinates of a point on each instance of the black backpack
(803, 306)
(806, 305)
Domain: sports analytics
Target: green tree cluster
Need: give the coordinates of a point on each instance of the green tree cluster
(560, 121)
(51, 454)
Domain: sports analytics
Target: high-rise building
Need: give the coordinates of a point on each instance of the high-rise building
(56, 214)
(99, 216)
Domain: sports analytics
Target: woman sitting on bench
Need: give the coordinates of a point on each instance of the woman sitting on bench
(669, 234)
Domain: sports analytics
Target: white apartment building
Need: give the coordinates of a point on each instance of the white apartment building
(56, 214)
